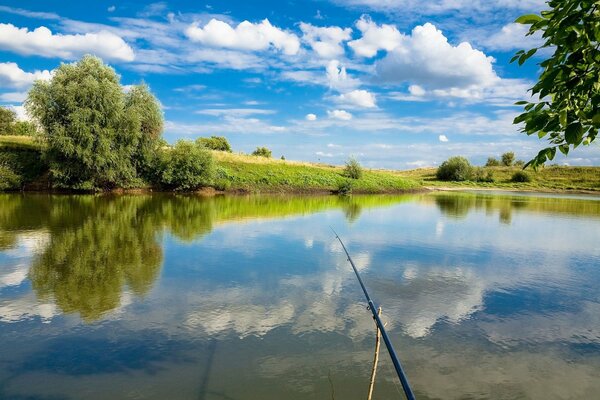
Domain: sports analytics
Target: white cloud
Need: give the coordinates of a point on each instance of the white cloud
(443, 138)
(338, 78)
(374, 38)
(358, 98)
(416, 90)
(511, 37)
(327, 42)
(340, 114)
(245, 36)
(238, 112)
(13, 97)
(14, 77)
(42, 42)
(311, 117)
(427, 59)
(111, 9)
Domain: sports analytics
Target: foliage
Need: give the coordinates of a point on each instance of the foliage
(492, 162)
(283, 157)
(482, 175)
(520, 176)
(219, 143)
(262, 152)
(345, 187)
(9, 180)
(7, 120)
(568, 87)
(146, 122)
(508, 159)
(24, 128)
(94, 132)
(353, 169)
(187, 166)
(455, 169)
(519, 163)
(25, 162)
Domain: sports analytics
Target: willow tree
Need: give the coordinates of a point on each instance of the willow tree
(93, 130)
(568, 110)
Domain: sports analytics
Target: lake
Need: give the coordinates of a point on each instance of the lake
(486, 296)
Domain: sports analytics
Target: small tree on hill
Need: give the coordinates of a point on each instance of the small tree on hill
(262, 152)
(492, 162)
(219, 143)
(7, 120)
(353, 169)
(187, 165)
(455, 169)
(508, 159)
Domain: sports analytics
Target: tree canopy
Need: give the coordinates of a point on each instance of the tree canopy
(568, 88)
(97, 135)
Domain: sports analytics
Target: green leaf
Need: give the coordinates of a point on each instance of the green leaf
(563, 118)
(596, 119)
(528, 19)
(551, 152)
(573, 133)
(564, 149)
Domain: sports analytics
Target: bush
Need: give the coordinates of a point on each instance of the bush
(519, 163)
(7, 120)
(9, 180)
(508, 158)
(24, 128)
(262, 152)
(187, 166)
(219, 143)
(492, 162)
(483, 175)
(353, 169)
(454, 169)
(345, 187)
(520, 176)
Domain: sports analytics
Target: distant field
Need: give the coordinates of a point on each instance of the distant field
(550, 178)
(19, 142)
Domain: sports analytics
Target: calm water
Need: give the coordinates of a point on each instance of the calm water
(172, 297)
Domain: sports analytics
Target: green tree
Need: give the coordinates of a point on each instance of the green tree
(455, 169)
(568, 88)
(262, 152)
(508, 159)
(146, 119)
(24, 128)
(492, 162)
(94, 132)
(353, 169)
(7, 119)
(187, 165)
(219, 143)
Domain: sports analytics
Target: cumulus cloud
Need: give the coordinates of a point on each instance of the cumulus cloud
(374, 38)
(327, 42)
(13, 97)
(42, 42)
(311, 117)
(245, 36)
(427, 59)
(340, 114)
(14, 77)
(358, 98)
(511, 37)
(443, 138)
(338, 78)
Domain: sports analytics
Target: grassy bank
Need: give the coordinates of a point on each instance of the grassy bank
(258, 174)
(547, 179)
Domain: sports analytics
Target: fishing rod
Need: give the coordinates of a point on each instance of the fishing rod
(401, 375)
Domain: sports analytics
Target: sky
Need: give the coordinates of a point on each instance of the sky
(394, 83)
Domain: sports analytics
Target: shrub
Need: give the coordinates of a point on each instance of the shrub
(187, 166)
(283, 158)
(455, 169)
(344, 187)
(520, 176)
(492, 162)
(219, 143)
(483, 175)
(24, 128)
(353, 169)
(7, 120)
(519, 163)
(508, 158)
(9, 180)
(262, 152)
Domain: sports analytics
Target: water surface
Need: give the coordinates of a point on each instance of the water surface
(153, 297)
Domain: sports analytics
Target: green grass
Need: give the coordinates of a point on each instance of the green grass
(550, 178)
(259, 174)
(19, 142)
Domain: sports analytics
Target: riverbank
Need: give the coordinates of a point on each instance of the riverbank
(22, 168)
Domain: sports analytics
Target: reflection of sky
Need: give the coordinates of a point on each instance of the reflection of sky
(474, 304)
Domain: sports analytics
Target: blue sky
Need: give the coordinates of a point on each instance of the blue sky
(394, 83)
